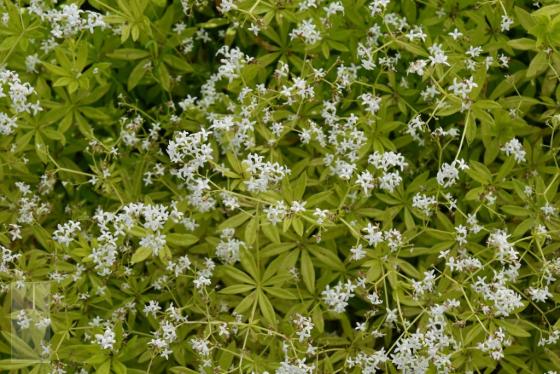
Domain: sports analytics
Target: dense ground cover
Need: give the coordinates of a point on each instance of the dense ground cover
(279, 186)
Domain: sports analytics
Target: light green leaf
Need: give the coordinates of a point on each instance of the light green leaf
(141, 254)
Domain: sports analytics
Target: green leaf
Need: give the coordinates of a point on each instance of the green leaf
(524, 18)
(105, 368)
(479, 172)
(516, 210)
(269, 58)
(118, 367)
(164, 77)
(271, 232)
(41, 148)
(375, 270)
(248, 262)
(19, 346)
(307, 272)
(63, 81)
(137, 74)
(472, 335)
(181, 240)
(56, 70)
(97, 114)
(538, 65)
(514, 328)
(234, 221)
(327, 257)
(182, 370)
(238, 275)
(141, 254)
(177, 63)
(470, 128)
(9, 43)
(14, 364)
(297, 224)
(128, 54)
(523, 227)
(267, 309)
(237, 288)
(213, 23)
(246, 303)
(281, 293)
(412, 48)
(298, 188)
(251, 230)
(524, 44)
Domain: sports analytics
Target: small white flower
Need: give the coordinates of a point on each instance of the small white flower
(357, 252)
(455, 34)
(306, 30)
(506, 23)
(539, 294)
(515, 148)
(107, 339)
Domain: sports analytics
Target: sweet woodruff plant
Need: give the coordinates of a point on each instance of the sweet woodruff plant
(280, 186)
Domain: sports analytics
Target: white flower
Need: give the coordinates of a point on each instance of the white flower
(461, 234)
(437, 56)
(152, 308)
(304, 327)
(276, 213)
(499, 240)
(374, 298)
(447, 175)
(23, 320)
(417, 67)
(455, 34)
(515, 148)
(64, 234)
(425, 285)
(155, 242)
(506, 23)
(539, 294)
(504, 300)
(378, 6)
(7, 124)
(390, 181)
(357, 252)
(298, 206)
(254, 28)
(414, 128)
(107, 339)
(548, 210)
(374, 236)
(31, 62)
(300, 367)
(227, 5)
(462, 88)
(321, 215)
(337, 298)
(228, 249)
(494, 344)
(424, 203)
(333, 8)
(387, 160)
(201, 346)
(365, 180)
(263, 174)
(232, 62)
(306, 30)
(371, 102)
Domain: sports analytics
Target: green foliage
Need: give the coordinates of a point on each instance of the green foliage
(304, 186)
